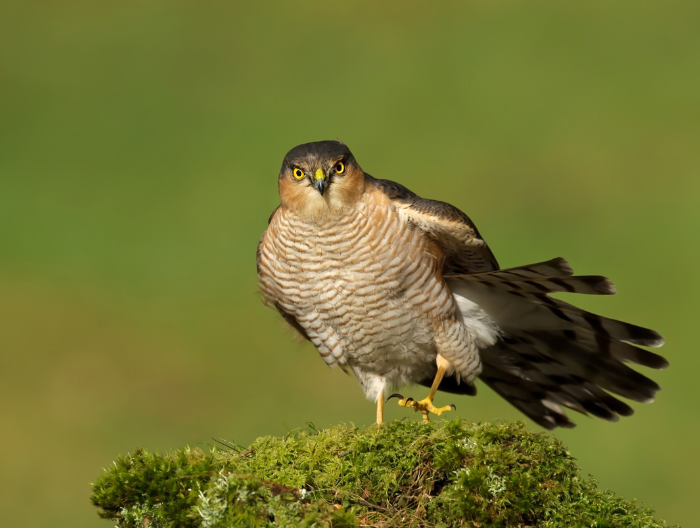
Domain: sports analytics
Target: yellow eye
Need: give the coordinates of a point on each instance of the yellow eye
(299, 174)
(339, 167)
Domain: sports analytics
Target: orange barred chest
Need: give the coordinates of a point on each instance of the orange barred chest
(359, 282)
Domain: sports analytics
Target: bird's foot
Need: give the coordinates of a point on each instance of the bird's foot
(425, 406)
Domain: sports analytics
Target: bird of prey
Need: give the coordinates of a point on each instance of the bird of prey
(400, 289)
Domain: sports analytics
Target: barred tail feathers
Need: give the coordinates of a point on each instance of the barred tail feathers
(552, 354)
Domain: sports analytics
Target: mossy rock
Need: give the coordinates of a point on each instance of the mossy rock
(403, 474)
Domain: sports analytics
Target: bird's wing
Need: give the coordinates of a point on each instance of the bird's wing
(456, 235)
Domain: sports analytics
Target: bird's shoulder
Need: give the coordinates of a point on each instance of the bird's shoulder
(455, 233)
(263, 240)
(439, 210)
(272, 215)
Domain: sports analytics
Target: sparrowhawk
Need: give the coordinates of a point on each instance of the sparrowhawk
(400, 289)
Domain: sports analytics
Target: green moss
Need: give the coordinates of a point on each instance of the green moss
(403, 474)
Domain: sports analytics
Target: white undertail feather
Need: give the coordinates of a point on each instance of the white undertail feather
(482, 326)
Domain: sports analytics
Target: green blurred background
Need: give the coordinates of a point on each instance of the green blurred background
(139, 150)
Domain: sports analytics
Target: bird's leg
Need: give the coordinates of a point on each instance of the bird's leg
(425, 406)
(380, 408)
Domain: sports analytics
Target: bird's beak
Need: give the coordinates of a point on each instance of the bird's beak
(321, 181)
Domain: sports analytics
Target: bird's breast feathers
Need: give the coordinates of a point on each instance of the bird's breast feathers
(365, 284)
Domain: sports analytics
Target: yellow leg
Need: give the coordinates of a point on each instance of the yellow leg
(380, 409)
(436, 382)
(425, 406)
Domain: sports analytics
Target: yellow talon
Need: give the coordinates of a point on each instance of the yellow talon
(425, 406)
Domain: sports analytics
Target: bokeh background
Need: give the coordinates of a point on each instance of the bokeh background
(139, 149)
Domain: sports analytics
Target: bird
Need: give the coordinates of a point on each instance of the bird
(403, 290)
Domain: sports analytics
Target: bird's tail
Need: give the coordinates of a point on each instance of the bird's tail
(551, 354)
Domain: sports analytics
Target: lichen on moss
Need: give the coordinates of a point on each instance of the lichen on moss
(402, 474)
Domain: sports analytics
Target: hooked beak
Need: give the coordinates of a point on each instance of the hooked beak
(321, 183)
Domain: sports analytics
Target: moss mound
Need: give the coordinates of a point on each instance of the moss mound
(403, 474)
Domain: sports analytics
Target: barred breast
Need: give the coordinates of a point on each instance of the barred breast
(367, 289)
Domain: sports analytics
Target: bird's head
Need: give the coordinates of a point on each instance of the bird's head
(320, 178)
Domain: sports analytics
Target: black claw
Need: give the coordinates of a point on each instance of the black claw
(409, 400)
(395, 395)
(454, 407)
